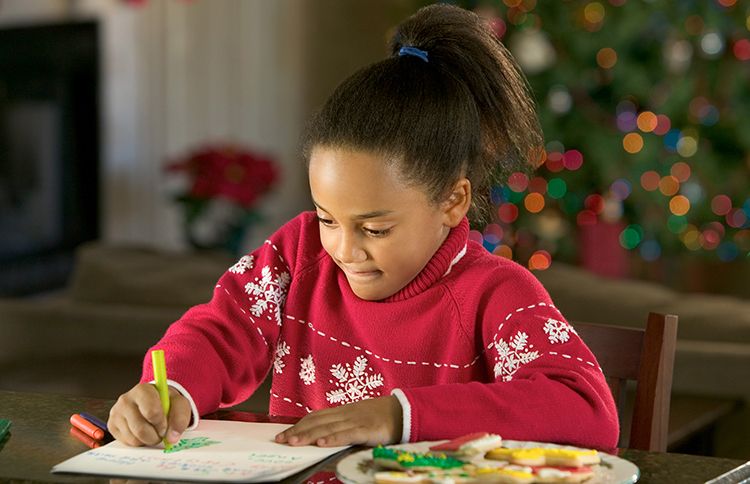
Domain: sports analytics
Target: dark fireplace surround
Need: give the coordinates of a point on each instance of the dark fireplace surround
(49, 152)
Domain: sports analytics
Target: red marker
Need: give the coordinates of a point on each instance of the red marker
(86, 427)
(84, 438)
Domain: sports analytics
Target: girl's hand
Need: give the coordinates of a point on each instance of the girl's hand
(369, 422)
(137, 417)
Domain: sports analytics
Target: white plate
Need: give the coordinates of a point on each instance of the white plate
(358, 468)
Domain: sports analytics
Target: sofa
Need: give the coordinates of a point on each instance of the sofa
(120, 300)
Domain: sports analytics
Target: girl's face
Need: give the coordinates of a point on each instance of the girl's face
(378, 230)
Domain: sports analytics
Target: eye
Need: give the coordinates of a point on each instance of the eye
(376, 233)
(325, 221)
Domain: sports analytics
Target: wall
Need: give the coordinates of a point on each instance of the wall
(177, 73)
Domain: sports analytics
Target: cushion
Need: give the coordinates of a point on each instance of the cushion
(139, 276)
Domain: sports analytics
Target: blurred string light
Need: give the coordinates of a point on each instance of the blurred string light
(674, 184)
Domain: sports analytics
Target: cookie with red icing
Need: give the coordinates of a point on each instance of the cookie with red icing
(469, 445)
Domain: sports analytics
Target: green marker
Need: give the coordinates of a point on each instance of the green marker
(160, 376)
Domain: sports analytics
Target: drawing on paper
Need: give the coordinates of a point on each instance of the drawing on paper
(193, 443)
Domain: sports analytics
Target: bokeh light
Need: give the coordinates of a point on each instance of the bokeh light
(631, 236)
(518, 181)
(493, 233)
(627, 121)
(687, 146)
(632, 143)
(503, 250)
(554, 161)
(681, 171)
(556, 188)
(594, 202)
(736, 218)
(572, 159)
(650, 250)
(540, 260)
(679, 205)
(741, 49)
(534, 202)
(507, 212)
(669, 185)
(721, 204)
(606, 58)
(712, 44)
(647, 121)
(621, 188)
(671, 138)
(694, 25)
(690, 237)
(663, 125)
(709, 239)
(650, 180)
(593, 12)
(476, 236)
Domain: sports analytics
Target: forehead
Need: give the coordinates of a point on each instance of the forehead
(358, 181)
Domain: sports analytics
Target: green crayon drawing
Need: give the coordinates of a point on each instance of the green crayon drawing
(194, 443)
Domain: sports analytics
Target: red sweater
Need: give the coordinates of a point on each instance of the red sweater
(473, 343)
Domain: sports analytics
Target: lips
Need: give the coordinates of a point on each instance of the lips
(358, 273)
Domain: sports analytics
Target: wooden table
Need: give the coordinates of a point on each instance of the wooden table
(40, 438)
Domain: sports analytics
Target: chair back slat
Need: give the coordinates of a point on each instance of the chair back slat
(646, 357)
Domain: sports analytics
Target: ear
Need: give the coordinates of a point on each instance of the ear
(456, 206)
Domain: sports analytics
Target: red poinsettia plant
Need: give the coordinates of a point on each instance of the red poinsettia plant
(223, 185)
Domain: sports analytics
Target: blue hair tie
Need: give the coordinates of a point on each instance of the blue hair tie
(413, 51)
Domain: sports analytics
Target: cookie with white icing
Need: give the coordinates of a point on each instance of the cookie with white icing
(469, 445)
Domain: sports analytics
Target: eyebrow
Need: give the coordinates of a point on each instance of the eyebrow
(362, 216)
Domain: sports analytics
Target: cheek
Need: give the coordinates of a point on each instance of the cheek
(327, 240)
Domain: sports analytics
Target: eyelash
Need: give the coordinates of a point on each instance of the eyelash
(372, 233)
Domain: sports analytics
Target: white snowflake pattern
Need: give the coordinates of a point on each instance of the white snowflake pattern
(269, 291)
(557, 331)
(307, 370)
(282, 349)
(245, 263)
(354, 382)
(510, 356)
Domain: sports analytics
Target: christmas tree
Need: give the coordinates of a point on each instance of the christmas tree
(645, 107)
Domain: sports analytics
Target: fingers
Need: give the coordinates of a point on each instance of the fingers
(313, 431)
(137, 417)
(179, 416)
(371, 422)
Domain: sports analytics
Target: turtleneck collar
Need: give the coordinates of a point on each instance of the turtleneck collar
(441, 263)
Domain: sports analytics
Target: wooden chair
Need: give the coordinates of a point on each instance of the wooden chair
(646, 356)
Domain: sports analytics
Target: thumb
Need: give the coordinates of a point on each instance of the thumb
(179, 417)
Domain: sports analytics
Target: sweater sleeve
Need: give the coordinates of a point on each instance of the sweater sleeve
(545, 384)
(221, 351)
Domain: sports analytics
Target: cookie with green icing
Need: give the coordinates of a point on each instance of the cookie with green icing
(397, 459)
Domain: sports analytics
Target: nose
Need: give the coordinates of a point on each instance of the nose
(349, 248)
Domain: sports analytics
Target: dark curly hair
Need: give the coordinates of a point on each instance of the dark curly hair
(465, 112)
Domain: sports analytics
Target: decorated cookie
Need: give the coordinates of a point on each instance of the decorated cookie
(403, 460)
(545, 456)
(469, 445)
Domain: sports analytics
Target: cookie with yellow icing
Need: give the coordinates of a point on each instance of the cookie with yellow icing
(545, 456)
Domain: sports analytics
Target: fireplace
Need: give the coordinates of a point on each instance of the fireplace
(49, 152)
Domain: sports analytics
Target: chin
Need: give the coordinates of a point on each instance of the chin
(370, 294)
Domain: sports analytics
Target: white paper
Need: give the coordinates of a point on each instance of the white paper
(230, 451)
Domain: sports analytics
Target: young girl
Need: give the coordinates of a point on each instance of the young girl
(378, 319)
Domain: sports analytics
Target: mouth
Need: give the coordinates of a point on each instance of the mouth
(359, 274)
